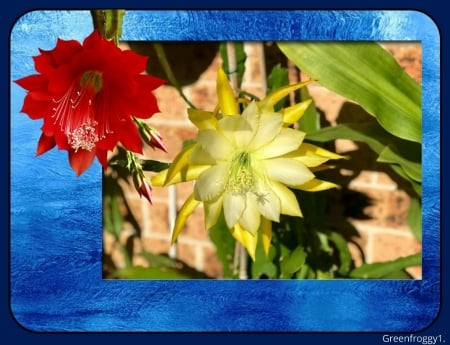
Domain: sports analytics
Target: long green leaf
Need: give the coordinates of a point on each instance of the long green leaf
(367, 74)
(381, 269)
(392, 150)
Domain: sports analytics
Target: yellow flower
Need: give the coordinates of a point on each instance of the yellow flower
(245, 165)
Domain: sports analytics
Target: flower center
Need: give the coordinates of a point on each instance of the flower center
(92, 80)
(75, 113)
(241, 179)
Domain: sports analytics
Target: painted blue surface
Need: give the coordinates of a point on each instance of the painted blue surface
(55, 273)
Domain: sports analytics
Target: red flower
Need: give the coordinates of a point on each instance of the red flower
(87, 94)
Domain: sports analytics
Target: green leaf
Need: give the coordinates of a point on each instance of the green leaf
(345, 256)
(310, 121)
(407, 155)
(277, 78)
(241, 57)
(112, 217)
(415, 218)
(367, 74)
(412, 169)
(225, 243)
(382, 269)
(152, 165)
(263, 264)
(293, 263)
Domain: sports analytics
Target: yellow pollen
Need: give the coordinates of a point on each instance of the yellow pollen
(84, 137)
(241, 179)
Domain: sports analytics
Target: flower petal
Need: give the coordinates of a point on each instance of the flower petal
(211, 183)
(286, 141)
(236, 129)
(45, 143)
(288, 201)
(188, 173)
(199, 156)
(250, 218)
(316, 185)
(271, 99)
(246, 239)
(215, 144)
(233, 208)
(227, 101)
(266, 234)
(81, 160)
(185, 211)
(267, 202)
(179, 163)
(212, 212)
(309, 148)
(287, 171)
(294, 113)
(202, 119)
(129, 135)
(268, 127)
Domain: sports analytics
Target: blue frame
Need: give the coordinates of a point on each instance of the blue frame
(56, 225)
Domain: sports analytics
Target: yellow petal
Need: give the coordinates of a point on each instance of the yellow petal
(251, 217)
(266, 234)
(312, 156)
(159, 178)
(287, 140)
(188, 173)
(227, 101)
(287, 171)
(202, 119)
(246, 239)
(288, 201)
(316, 185)
(212, 212)
(179, 163)
(320, 151)
(216, 145)
(267, 104)
(186, 210)
(294, 113)
(233, 207)
(211, 183)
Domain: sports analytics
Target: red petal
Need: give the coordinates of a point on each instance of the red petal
(81, 160)
(45, 143)
(44, 63)
(149, 82)
(33, 82)
(65, 50)
(102, 157)
(133, 62)
(143, 106)
(129, 136)
(35, 109)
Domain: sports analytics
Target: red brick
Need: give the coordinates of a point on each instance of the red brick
(213, 266)
(390, 247)
(155, 245)
(186, 252)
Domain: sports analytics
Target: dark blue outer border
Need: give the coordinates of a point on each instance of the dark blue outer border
(55, 228)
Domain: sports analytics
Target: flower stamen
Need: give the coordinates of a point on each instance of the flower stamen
(241, 179)
(75, 114)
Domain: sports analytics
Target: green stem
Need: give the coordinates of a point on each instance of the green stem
(168, 70)
(108, 23)
(126, 255)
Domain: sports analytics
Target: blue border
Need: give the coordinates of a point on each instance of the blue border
(55, 235)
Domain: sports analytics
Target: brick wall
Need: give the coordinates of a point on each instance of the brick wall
(383, 230)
